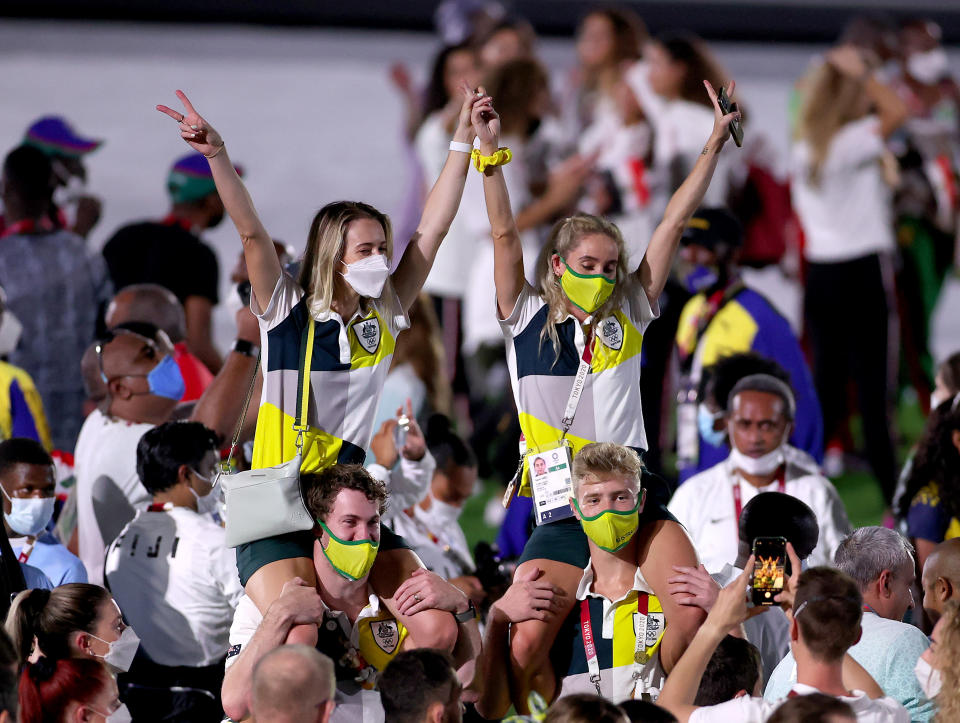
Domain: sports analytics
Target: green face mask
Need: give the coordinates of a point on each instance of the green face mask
(352, 559)
(587, 291)
(611, 529)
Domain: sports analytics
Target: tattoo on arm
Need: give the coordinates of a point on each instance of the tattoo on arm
(706, 150)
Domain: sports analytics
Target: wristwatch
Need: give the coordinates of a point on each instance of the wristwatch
(242, 346)
(467, 615)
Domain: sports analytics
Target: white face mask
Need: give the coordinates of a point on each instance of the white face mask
(208, 503)
(122, 650)
(120, 715)
(10, 331)
(928, 677)
(368, 275)
(767, 464)
(28, 515)
(928, 67)
(441, 512)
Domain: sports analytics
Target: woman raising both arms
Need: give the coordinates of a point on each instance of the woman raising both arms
(357, 308)
(587, 314)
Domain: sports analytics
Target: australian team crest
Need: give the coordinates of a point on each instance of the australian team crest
(368, 333)
(611, 332)
(386, 635)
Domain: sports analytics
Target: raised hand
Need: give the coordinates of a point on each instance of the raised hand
(721, 122)
(696, 586)
(486, 123)
(198, 134)
(786, 598)
(730, 608)
(415, 446)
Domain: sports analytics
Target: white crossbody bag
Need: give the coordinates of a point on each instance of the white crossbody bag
(267, 502)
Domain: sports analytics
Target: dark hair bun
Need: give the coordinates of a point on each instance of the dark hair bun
(438, 429)
(43, 669)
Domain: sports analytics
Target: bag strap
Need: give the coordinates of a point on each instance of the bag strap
(303, 392)
(243, 413)
(303, 383)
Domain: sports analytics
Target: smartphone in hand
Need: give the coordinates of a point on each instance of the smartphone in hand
(727, 107)
(769, 570)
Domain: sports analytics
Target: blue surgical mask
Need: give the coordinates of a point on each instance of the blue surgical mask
(705, 421)
(700, 278)
(165, 380)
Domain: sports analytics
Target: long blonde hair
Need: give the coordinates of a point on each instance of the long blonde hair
(831, 100)
(948, 662)
(564, 237)
(319, 269)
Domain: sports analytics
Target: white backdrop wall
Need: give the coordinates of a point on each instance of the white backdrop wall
(309, 113)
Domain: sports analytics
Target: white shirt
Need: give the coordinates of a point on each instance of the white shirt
(888, 650)
(849, 214)
(714, 526)
(354, 704)
(756, 710)
(109, 492)
(437, 538)
(176, 581)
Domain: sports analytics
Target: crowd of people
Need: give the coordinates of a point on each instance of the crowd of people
(273, 534)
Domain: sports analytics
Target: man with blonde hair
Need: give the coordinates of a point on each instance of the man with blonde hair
(293, 684)
(610, 642)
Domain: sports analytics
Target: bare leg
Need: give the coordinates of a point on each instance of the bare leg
(530, 641)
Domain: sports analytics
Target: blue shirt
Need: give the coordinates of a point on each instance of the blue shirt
(53, 560)
(888, 650)
(35, 578)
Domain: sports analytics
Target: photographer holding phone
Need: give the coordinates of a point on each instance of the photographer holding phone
(824, 609)
(881, 563)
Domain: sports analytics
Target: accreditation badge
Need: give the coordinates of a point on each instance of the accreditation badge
(551, 481)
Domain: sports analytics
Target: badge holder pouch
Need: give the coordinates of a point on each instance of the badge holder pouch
(263, 503)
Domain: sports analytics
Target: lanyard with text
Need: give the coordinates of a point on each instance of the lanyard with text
(640, 654)
(738, 505)
(573, 401)
(26, 551)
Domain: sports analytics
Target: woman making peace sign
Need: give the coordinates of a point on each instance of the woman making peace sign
(358, 308)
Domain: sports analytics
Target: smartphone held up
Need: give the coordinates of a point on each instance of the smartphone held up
(727, 107)
(769, 570)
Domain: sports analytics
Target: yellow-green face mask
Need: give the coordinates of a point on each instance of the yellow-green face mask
(352, 559)
(587, 291)
(611, 529)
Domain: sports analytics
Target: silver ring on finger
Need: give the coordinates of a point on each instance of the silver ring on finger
(416, 596)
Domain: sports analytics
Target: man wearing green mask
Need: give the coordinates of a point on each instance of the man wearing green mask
(610, 642)
(355, 628)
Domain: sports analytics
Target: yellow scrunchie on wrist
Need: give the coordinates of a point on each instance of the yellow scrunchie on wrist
(481, 162)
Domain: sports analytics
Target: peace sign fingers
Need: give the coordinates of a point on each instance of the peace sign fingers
(198, 134)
